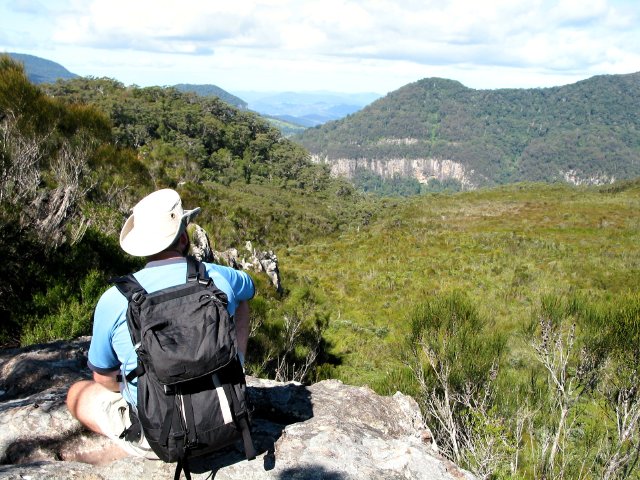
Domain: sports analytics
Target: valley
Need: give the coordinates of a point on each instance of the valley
(505, 248)
(509, 309)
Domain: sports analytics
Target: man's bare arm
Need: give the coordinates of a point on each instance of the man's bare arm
(108, 381)
(242, 326)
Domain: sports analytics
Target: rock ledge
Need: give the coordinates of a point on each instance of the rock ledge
(324, 431)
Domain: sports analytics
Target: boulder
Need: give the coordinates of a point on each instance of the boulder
(199, 245)
(254, 260)
(324, 431)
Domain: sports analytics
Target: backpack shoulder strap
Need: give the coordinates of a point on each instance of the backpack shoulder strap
(129, 287)
(192, 269)
(135, 293)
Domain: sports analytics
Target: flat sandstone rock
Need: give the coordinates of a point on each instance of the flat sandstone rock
(324, 431)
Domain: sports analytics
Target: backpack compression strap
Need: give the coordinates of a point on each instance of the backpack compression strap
(240, 414)
(243, 423)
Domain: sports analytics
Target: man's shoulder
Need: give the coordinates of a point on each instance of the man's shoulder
(111, 298)
(217, 267)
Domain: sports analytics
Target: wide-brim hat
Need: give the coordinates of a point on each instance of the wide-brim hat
(155, 223)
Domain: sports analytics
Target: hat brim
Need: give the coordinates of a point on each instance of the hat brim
(190, 214)
(140, 243)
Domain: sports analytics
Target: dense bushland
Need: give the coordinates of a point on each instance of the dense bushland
(75, 161)
(53, 159)
(571, 412)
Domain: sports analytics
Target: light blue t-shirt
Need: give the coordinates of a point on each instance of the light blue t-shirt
(111, 345)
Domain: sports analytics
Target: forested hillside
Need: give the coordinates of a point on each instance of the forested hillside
(584, 133)
(212, 91)
(77, 158)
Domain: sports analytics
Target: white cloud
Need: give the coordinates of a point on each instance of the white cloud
(314, 42)
(166, 26)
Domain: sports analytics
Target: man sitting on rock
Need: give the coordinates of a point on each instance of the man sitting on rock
(156, 230)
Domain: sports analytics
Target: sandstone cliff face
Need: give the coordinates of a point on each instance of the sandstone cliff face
(425, 169)
(422, 169)
(576, 178)
(323, 431)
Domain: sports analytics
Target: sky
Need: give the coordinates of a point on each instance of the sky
(329, 45)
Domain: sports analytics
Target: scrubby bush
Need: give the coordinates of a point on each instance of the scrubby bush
(455, 356)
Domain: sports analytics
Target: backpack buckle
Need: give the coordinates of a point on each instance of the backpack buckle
(137, 298)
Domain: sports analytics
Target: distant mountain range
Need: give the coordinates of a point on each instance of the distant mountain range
(40, 70)
(438, 130)
(307, 108)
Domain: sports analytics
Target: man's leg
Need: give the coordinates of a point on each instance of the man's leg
(106, 412)
(85, 400)
(81, 402)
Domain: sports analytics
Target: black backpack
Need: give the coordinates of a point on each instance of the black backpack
(191, 385)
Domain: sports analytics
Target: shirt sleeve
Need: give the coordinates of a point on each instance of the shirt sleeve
(237, 284)
(102, 356)
(243, 285)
